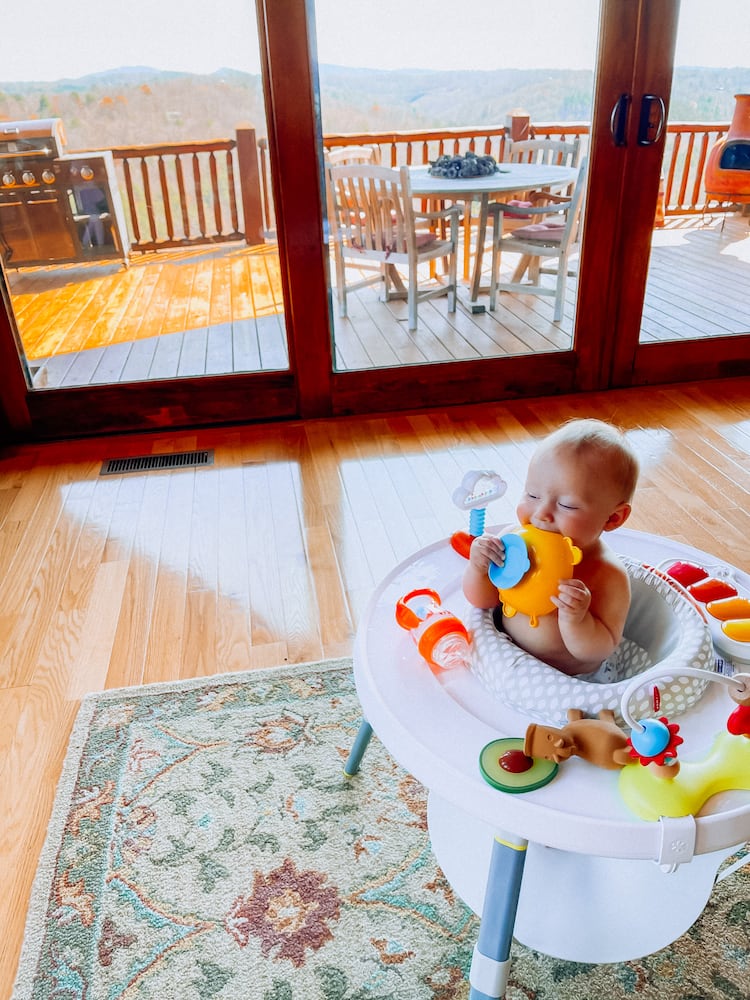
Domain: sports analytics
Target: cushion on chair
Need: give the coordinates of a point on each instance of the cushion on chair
(425, 239)
(551, 231)
(517, 203)
(422, 240)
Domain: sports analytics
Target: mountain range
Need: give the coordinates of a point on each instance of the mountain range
(139, 104)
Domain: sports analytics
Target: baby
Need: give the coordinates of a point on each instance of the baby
(580, 483)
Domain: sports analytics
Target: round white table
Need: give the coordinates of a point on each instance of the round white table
(509, 178)
(583, 872)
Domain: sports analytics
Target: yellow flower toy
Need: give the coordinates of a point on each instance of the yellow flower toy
(535, 562)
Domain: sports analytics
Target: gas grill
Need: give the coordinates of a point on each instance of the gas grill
(56, 207)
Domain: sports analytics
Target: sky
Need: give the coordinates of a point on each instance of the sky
(389, 34)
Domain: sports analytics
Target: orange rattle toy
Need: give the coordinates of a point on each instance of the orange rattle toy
(535, 562)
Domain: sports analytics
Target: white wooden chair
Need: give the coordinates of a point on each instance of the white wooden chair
(336, 157)
(374, 220)
(544, 151)
(352, 154)
(554, 237)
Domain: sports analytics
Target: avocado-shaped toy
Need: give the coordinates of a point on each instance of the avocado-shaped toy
(504, 765)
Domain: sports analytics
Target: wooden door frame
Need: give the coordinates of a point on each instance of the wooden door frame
(303, 390)
(623, 192)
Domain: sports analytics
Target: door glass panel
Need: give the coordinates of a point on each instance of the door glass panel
(699, 273)
(411, 91)
(137, 231)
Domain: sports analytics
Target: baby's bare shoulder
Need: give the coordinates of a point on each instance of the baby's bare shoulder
(606, 570)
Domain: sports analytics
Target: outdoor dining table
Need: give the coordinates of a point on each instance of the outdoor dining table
(510, 178)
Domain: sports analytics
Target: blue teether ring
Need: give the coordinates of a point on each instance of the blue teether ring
(516, 563)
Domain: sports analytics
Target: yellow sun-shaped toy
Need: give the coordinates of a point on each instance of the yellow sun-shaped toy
(535, 562)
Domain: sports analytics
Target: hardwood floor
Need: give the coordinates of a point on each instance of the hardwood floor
(270, 555)
(220, 310)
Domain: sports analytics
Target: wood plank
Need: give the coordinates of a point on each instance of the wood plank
(78, 308)
(271, 554)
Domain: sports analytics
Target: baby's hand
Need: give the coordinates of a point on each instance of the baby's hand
(486, 549)
(573, 600)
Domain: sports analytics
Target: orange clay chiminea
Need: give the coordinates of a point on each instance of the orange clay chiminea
(727, 175)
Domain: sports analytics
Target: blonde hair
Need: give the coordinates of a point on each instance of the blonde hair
(602, 440)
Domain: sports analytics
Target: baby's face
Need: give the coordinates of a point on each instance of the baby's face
(571, 494)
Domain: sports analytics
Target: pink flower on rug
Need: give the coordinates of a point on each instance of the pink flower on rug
(279, 735)
(288, 910)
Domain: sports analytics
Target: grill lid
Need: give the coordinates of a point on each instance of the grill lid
(38, 137)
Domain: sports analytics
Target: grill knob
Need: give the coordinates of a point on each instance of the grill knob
(8, 179)
(87, 173)
(28, 178)
(48, 176)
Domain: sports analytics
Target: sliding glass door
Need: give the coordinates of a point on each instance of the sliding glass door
(382, 88)
(138, 232)
(674, 300)
(226, 307)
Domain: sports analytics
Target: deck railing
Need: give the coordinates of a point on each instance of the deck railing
(191, 193)
(186, 194)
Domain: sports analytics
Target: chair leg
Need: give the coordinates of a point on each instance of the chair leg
(562, 278)
(357, 751)
(340, 281)
(522, 267)
(453, 279)
(491, 961)
(412, 295)
(467, 241)
(495, 263)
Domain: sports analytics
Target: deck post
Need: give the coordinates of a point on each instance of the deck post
(252, 206)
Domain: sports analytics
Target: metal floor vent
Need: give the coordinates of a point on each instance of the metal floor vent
(149, 463)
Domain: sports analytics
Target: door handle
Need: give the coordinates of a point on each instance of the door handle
(618, 120)
(652, 120)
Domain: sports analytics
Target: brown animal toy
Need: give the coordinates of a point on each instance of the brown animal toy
(599, 741)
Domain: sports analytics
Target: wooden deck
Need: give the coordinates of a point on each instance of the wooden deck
(219, 310)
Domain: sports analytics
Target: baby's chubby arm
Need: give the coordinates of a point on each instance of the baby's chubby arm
(591, 633)
(478, 588)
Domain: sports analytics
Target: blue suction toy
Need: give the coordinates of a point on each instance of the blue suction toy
(516, 564)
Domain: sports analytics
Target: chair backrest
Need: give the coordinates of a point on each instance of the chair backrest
(575, 207)
(371, 207)
(573, 220)
(562, 236)
(353, 154)
(544, 151)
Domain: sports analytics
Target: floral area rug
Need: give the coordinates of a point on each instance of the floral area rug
(205, 844)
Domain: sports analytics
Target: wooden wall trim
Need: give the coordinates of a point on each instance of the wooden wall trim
(696, 360)
(170, 403)
(15, 420)
(452, 383)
